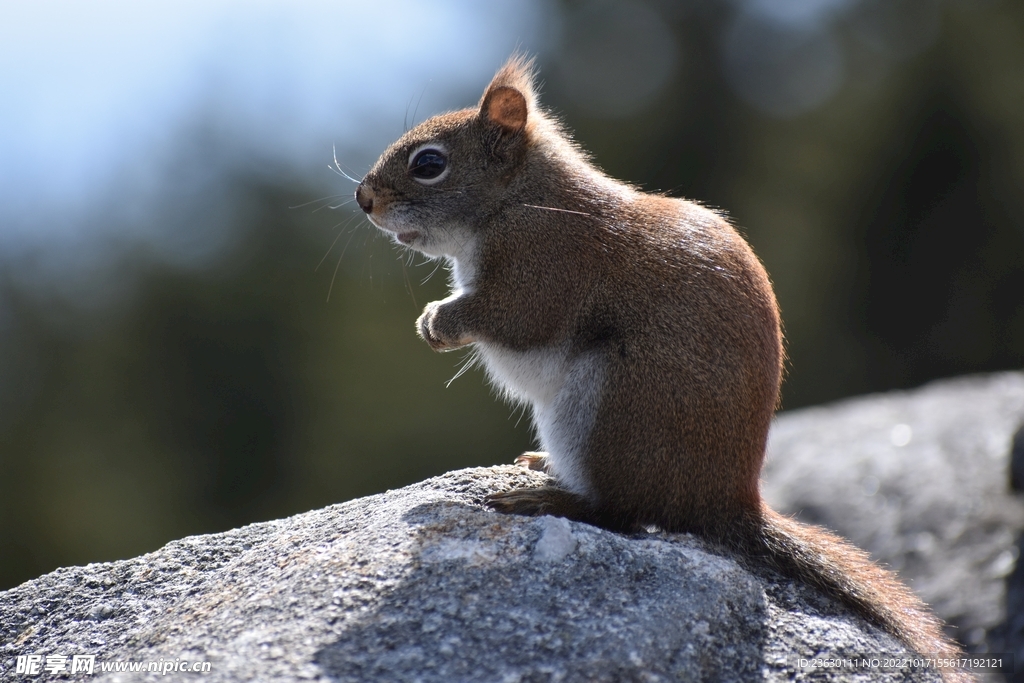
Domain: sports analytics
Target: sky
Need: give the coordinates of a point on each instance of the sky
(96, 96)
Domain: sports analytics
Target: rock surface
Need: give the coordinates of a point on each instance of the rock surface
(425, 584)
(921, 480)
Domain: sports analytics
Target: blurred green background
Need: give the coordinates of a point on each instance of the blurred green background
(173, 360)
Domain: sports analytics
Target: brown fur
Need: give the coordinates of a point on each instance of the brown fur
(669, 298)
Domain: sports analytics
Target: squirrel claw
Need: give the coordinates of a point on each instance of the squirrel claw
(528, 502)
(540, 500)
(531, 460)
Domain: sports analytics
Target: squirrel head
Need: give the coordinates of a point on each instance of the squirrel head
(432, 187)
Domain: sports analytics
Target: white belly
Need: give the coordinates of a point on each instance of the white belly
(564, 394)
(533, 377)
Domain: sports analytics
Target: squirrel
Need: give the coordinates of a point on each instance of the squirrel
(640, 329)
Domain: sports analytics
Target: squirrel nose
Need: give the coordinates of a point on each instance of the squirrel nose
(364, 197)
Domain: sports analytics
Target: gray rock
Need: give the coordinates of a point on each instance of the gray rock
(424, 584)
(921, 480)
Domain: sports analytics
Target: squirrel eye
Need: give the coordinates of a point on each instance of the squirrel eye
(428, 165)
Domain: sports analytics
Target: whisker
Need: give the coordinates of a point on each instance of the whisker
(345, 248)
(416, 108)
(336, 266)
(408, 284)
(340, 233)
(551, 208)
(427, 279)
(369, 259)
(338, 171)
(405, 119)
(467, 362)
(338, 166)
(522, 413)
(337, 206)
(314, 201)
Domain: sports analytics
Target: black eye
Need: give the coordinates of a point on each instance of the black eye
(428, 164)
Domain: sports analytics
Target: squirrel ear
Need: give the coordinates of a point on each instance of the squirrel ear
(506, 107)
(510, 98)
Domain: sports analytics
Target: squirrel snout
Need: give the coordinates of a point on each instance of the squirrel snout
(364, 197)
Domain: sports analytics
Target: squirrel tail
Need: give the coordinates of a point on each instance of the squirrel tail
(815, 556)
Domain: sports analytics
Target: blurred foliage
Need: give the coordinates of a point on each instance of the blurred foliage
(891, 219)
(233, 394)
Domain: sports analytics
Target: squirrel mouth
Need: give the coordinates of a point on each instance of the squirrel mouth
(408, 237)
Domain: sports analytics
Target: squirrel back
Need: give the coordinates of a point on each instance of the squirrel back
(641, 329)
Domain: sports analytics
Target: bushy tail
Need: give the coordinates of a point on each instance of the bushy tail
(817, 557)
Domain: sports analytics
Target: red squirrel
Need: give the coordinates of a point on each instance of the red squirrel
(640, 329)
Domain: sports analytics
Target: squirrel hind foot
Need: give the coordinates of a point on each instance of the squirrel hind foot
(531, 460)
(541, 500)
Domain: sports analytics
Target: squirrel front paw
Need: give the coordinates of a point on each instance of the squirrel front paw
(431, 328)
